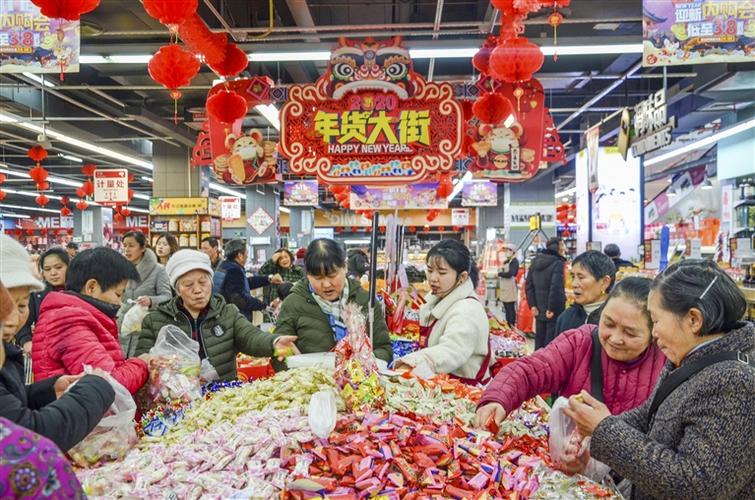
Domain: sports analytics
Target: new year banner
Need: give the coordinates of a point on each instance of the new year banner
(479, 194)
(415, 196)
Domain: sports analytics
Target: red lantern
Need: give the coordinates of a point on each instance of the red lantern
(118, 217)
(19, 232)
(65, 212)
(3, 194)
(382, 229)
(171, 12)
(492, 108)
(42, 200)
(516, 60)
(43, 231)
(173, 67)
(38, 174)
(2, 178)
(37, 153)
(445, 186)
(198, 38)
(481, 59)
(88, 188)
(412, 229)
(426, 229)
(88, 169)
(226, 106)
(125, 212)
(131, 177)
(82, 205)
(130, 194)
(43, 186)
(80, 193)
(70, 10)
(64, 200)
(233, 62)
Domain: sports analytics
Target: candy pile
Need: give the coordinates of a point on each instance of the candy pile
(398, 457)
(409, 395)
(251, 457)
(505, 341)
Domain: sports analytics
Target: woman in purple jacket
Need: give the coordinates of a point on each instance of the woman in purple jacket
(623, 376)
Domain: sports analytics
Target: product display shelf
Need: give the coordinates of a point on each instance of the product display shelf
(189, 219)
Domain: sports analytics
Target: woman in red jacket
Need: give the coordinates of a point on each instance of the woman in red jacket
(78, 327)
(624, 375)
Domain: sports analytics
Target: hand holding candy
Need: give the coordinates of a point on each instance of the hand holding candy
(587, 412)
(492, 414)
(285, 346)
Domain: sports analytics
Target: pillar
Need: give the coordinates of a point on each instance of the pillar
(173, 175)
(262, 209)
(88, 224)
(526, 199)
(491, 217)
(301, 226)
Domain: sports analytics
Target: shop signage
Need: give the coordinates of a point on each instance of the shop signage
(111, 186)
(693, 248)
(51, 222)
(460, 216)
(652, 254)
(132, 221)
(697, 31)
(33, 43)
(652, 125)
(419, 196)
(520, 215)
(178, 206)
(370, 119)
(260, 220)
(230, 207)
(479, 194)
(301, 193)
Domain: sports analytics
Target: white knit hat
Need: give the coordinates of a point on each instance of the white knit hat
(185, 261)
(16, 266)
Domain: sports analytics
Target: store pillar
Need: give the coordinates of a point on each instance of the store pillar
(523, 200)
(173, 175)
(301, 226)
(88, 225)
(262, 222)
(491, 218)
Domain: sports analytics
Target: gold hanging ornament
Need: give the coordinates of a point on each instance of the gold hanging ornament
(518, 93)
(555, 20)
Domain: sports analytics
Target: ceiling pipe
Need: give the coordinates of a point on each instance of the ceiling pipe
(436, 27)
(219, 17)
(302, 17)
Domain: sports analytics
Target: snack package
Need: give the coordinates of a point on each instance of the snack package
(174, 371)
(132, 320)
(322, 413)
(357, 372)
(114, 436)
(569, 451)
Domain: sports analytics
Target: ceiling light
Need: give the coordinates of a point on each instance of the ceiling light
(148, 179)
(567, 192)
(670, 179)
(71, 158)
(19, 122)
(289, 56)
(459, 186)
(271, 114)
(52, 179)
(138, 210)
(285, 210)
(30, 209)
(15, 216)
(706, 184)
(39, 79)
(704, 142)
(222, 189)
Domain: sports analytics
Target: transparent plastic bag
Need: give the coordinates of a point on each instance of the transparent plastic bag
(175, 369)
(114, 436)
(322, 413)
(132, 320)
(569, 451)
(207, 372)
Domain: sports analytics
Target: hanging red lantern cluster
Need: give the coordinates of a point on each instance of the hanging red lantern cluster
(70, 10)
(38, 173)
(171, 12)
(173, 67)
(87, 189)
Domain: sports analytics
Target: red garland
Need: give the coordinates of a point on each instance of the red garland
(70, 10)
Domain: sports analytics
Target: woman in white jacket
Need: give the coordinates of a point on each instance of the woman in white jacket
(454, 336)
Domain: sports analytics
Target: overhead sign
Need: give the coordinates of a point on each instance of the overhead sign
(179, 206)
(479, 194)
(33, 43)
(652, 125)
(230, 207)
(697, 31)
(260, 220)
(304, 193)
(423, 196)
(370, 119)
(460, 216)
(111, 186)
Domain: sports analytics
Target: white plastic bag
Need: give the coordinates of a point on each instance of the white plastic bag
(132, 320)
(565, 443)
(208, 373)
(175, 368)
(322, 413)
(114, 436)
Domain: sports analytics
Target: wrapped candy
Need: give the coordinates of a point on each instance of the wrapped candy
(175, 367)
(357, 372)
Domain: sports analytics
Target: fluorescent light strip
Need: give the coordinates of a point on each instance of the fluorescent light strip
(429, 53)
(30, 209)
(148, 179)
(71, 158)
(270, 113)
(225, 190)
(459, 186)
(18, 121)
(14, 216)
(39, 80)
(704, 142)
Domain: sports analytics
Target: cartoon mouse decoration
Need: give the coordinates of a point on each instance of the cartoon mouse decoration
(248, 158)
(499, 143)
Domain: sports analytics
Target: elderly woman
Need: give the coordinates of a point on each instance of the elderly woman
(313, 310)
(593, 275)
(281, 264)
(693, 438)
(220, 329)
(152, 289)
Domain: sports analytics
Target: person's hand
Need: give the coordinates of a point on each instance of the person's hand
(587, 412)
(491, 412)
(275, 303)
(276, 279)
(145, 357)
(535, 312)
(27, 347)
(63, 383)
(285, 346)
(549, 314)
(574, 460)
(275, 257)
(144, 301)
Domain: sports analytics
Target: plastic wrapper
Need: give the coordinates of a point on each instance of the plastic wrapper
(132, 320)
(357, 372)
(114, 435)
(323, 413)
(207, 372)
(569, 451)
(175, 367)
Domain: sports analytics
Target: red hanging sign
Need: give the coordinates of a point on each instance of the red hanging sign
(370, 119)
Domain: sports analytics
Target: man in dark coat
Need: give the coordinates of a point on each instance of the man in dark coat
(614, 252)
(545, 290)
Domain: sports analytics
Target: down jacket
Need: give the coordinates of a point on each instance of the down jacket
(72, 331)
(545, 284)
(563, 366)
(65, 421)
(699, 445)
(224, 332)
(458, 342)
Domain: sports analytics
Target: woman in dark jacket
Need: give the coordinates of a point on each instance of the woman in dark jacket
(593, 275)
(545, 290)
(231, 282)
(693, 437)
(313, 310)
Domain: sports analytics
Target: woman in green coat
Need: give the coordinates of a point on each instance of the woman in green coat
(312, 312)
(220, 329)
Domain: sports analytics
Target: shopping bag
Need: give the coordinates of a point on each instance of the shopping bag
(569, 451)
(132, 320)
(322, 413)
(175, 367)
(114, 436)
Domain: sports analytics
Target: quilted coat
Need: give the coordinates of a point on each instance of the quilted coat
(563, 366)
(72, 332)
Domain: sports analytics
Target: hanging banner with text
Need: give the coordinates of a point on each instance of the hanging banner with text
(479, 194)
(423, 196)
(111, 186)
(33, 43)
(230, 207)
(300, 193)
(697, 31)
(370, 119)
